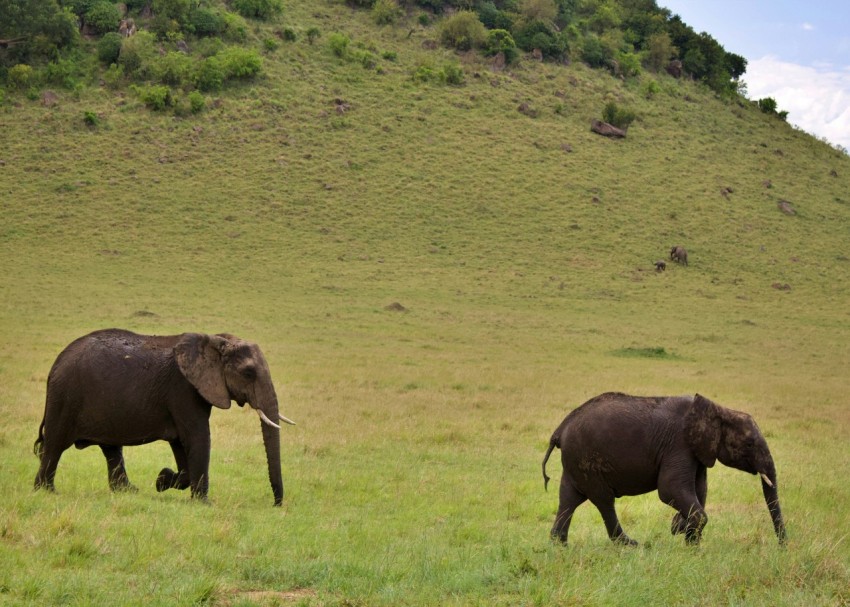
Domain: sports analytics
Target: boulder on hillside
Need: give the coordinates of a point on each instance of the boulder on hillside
(608, 130)
(674, 68)
(786, 207)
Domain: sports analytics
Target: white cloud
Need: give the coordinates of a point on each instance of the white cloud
(808, 27)
(817, 99)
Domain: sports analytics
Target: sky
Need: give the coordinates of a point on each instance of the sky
(797, 52)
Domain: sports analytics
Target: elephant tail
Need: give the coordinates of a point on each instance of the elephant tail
(38, 446)
(552, 444)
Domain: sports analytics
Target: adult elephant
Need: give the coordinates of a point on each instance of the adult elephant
(679, 254)
(114, 388)
(616, 444)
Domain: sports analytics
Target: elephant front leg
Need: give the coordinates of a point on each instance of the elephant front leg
(168, 478)
(198, 463)
(679, 524)
(118, 479)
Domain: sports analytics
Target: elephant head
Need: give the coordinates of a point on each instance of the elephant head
(717, 433)
(224, 368)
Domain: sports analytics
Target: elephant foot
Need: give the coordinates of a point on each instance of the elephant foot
(166, 480)
(678, 524)
(624, 540)
(43, 485)
(126, 487)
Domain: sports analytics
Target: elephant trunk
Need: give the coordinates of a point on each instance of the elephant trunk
(271, 440)
(771, 498)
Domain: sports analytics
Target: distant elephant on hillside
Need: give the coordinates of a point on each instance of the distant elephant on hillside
(615, 445)
(679, 254)
(113, 388)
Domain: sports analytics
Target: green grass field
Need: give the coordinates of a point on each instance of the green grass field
(525, 273)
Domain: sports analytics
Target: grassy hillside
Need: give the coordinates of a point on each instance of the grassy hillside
(296, 208)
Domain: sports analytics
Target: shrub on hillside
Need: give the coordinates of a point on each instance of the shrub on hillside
(210, 74)
(618, 116)
(173, 68)
(542, 35)
(258, 9)
(235, 28)
(493, 18)
(338, 43)
(103, 17)
(20, 76)
(157, 97)
(594, 52)
(627, 65)
(206, 22)
(176, 10)
(501, 41)
(463, 31)
(240, 62)
(137, 54)
(385, 12)
(109, 47)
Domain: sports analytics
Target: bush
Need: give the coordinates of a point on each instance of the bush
(156, 97)
(768, 105)
(463, 31)
(453, 74)
(20, 76)
(206, 22)
(493, 18)
(313, 34)
(541, 35)
(501, 41)
(113, 77)
(173, 68)
(258, 9)
(67, 71)
(175, 10)
(628, 64)
(91, 119)
(197, 102)
(240, 63)
(289, 34)
(338, 44)
(594, 52)
(109, 47)
(103, 17)
(210, 75)
(385, 12)
(235, 28)
(138, 53)
(617, 116)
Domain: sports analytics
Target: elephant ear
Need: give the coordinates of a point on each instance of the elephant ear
(199, 359)
(703, 425)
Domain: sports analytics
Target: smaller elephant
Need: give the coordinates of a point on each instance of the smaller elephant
(679, 254)
(615, 445)
(660, 265)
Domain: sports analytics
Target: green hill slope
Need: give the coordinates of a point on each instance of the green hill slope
(296, 208)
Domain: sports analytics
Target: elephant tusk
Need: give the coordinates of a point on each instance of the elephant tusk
(287, 420)
(765, 479)
(266, 420)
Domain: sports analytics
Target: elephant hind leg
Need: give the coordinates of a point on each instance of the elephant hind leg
(570, 499)
(612, 524)
(118, 479)
(49, 455)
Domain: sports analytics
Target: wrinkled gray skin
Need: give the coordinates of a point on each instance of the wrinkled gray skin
(615, 445)
(679, 254)
(114, 388)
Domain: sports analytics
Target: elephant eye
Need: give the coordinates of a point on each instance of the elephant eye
(248, 371)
